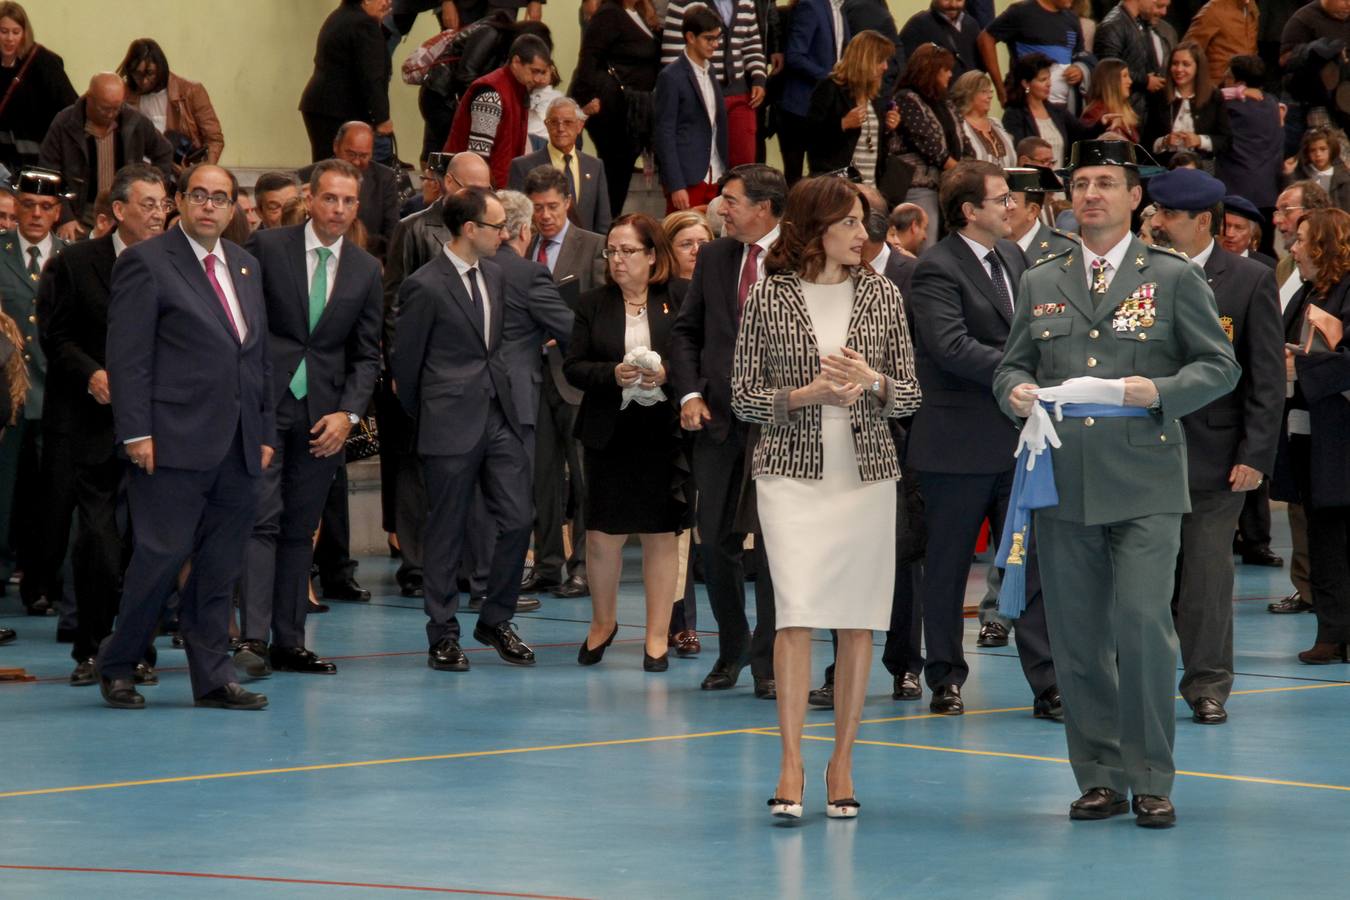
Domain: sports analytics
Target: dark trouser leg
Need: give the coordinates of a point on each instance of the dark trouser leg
(904, 651)
(506, 481)
(1030, 632)
(718, 470)
(1204, 595)
(550, 453)
(257, 587)
(304, 488)
(97, 555)
(478, 543)
(1299, 568)
(793, 136)
(10, 442)
(684, 614)
(53, 517)
(766, 629)
(412, 518)
(450, 485)
(1329, 553)
(1254, 522)
(321, 130)
(615, 147)
(333, 551)
(404, 492)
(1107, 594)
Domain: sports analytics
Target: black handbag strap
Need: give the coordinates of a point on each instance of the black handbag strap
(18, 78)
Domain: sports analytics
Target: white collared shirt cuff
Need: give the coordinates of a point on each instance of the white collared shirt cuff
(144, 437)
(690, 396)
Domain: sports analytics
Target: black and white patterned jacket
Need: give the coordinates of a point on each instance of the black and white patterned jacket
(776, 353)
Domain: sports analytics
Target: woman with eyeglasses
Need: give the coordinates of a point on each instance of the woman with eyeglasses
(823, 359)
(180, 109)
(972, 95)
(850, 120)
(686, 231)
(628, 425)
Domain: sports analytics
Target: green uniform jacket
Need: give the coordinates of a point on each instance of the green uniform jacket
(18, 296)
(1048, 242)
(1158, 320)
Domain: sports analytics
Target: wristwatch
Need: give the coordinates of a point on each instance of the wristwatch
(352, 417)
(875, 387)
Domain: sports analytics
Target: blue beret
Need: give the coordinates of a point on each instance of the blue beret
(1241, 206)
(1191, 190)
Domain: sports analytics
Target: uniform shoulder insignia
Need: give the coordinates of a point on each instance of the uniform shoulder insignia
(1169, 251)
(1057, 255)
(1067, 235)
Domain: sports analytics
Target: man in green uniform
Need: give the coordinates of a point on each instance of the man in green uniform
(1030, 186)
(1137, 330)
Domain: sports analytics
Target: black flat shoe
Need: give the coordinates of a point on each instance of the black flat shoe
(7, 635)
(298, 659)
(572, 588)
(85, 674)
(505, 641)
(1208, 711)
(906, 687)
(231, 696)
(40, 607)
(947, 701)
(723, 676)
(766, 688)
(993, 634)
(523, 604)
(347, 590)
(586, 656)
(120, 693)
(655, 663)
(446, 656)
(1152, 811)
(1262, 557)
(822, 697)
(1294, 603)
(1048, 705)
(251, 659)
(1098, 803)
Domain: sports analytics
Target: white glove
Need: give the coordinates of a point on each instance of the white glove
(1085, 389)
(1037, 434)
(648, 359)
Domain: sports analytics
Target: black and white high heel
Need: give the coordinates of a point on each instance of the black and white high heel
(846, 808)
(781, 808)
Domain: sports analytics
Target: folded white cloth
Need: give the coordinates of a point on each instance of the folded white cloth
(1037, 434)
(1085, 389)
(643, 358)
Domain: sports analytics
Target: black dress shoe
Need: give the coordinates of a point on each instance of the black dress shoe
(1294, 603)
(7, 635)
(993, 634)
(251, 659)
(655, 663)
(723, 676)
(503, 638)
(146, 674)
(766, 688)
(907, 687)
(1262, 557)
(176, 640)
(1098, 803)
(822, 697)
(588, 655)
(1208, 711)
(574, 587)
(411, 589)
(1048, 705)
(298, 659)
(947, 701)
(318, 609)
(85, 674)
(120, 693)
(346, 590)
(1152, 811)
(532, 582)
(523, 604)
(40, 607)
(447, 657)
(232, 696)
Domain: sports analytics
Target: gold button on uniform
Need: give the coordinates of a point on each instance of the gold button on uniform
(1143, 336)
(1163, 438)
(1089, 421)
(1094, 334)
(1045, 333)
(32, 319)
(1092, 362)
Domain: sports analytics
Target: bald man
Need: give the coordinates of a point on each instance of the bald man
(91, 139)
(355, 144)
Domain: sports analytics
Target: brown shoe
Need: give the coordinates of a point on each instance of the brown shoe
(686, 644)
(1324, 652)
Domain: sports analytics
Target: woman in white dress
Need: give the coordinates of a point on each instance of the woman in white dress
(823, 359)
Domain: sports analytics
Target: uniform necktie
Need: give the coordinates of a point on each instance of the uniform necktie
(210, 263)
(571, 179)
(542, 256)
(477, 297)
(34, 267)
(749, 275)
(1000, 283)
(1099, 267)
(318, 298)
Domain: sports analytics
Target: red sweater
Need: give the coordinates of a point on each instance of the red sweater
(510, 141)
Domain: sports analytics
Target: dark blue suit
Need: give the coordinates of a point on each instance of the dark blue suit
(808, 57)
(179, 374)
(342, 361)
(682, 135)
(458, 388)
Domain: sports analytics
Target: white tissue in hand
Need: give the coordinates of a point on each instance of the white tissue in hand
(1084, 389)
(643, 358)
(1037, 434)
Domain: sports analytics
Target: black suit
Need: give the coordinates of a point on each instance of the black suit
(342, 360)
(379, 205)
(455, 381)
(702, 347)
(1122, 36)
(591, 209)
(351, 77)
(961, 445)
(1020, 123)
(1239, 428)
(1211, 120)
(179, 374)
(72, 310)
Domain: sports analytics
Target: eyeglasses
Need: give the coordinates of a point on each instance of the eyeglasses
(199, 197)
(690, 243)
(1286, 210)
(848, 173)
(500, 226)
(149, 206)
(45, 206)
(1101, 184)
(561, 123)
(1004, 200)
(625, 252)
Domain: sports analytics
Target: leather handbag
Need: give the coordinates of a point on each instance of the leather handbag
(364, 440)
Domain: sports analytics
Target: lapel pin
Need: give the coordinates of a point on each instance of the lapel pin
(243, 270)
(665, 309)
(1139, 260)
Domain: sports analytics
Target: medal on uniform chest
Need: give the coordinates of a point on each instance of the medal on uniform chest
(1136, 311)
(1227, 323)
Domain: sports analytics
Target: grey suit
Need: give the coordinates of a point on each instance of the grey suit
(578, 258)
(592, 202)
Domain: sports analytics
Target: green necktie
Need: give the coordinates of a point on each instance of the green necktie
(318, 296)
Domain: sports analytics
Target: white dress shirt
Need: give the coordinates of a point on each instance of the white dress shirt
(1025, 240)
(463, 269)
(879, 261)
(1114, 257)
(226, 279)
(44, 250)
(312, 245)
(703, 78)
(1203, 256)
(837, 16)
(118, 244)
(981, 251)
(1290, 288)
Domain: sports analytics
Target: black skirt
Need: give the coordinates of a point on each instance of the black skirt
(636, 483)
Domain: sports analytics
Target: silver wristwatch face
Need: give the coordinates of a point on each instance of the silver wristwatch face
(353, 418)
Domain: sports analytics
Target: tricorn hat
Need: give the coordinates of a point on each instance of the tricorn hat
(1037, 179)
(43, 182)
(1112, 153)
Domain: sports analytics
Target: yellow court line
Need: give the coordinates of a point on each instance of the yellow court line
(1250, 779)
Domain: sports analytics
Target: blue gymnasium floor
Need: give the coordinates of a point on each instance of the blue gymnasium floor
(608, 782)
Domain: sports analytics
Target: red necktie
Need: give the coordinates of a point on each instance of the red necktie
(749, 275)
(542, 258)
(210, 263)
